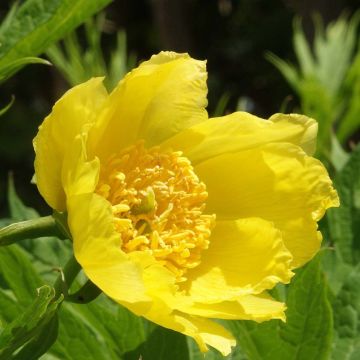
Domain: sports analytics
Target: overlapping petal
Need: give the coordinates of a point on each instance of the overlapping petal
(203, 331)
(78, 107)
(258, 308)
(153, 102)
(246, 256)
(277, 182)
(242, 131)
(97, 249)
(90, 219)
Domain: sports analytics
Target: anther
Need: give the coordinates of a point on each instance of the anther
(157, 203)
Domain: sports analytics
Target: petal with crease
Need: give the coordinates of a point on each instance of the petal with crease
(242, 131)
(153, 102)
(205, 332)
(277, 182)
(97, 249)
(78, 107)
(245, 256)
(259, 308)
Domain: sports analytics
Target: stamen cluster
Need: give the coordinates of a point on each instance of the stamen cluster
(158, 204)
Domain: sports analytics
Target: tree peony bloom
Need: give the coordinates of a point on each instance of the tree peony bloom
(178, 217)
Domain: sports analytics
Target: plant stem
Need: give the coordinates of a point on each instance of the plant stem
(66, 277)
(29, 229)
(86, 294)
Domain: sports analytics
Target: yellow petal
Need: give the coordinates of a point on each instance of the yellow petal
(155, 101)
(96, 243)
(277, 182)
(160, 286)
(79, 174)
(203, 331)
(242, 131)
(77, 107)
(208, 332)
(258, 308)
(245, 256)
(303, 133)
(97, 249)
(262, 307)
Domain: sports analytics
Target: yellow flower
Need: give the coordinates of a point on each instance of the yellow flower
(178, 217)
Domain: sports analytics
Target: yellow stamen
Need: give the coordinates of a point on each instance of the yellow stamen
(158, 203)
(120, 208)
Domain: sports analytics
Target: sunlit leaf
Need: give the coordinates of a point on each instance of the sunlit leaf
(36, 24)
(303, 50)
(41, 343)
(344, 222)
(347, 319)
(78, 63)
(350, 122)
(18, 274)
(29, 324)
(161, 344)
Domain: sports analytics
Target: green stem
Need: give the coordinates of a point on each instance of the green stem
(62, 224)
(29, 229)
(86, 294)
(66, 277)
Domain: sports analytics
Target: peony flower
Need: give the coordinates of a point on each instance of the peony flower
(178, 217)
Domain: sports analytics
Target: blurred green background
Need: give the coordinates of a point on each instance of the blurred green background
(233, 36)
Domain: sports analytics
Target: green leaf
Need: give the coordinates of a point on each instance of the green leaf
(120, 61)
(307, 332)
(350, 121)
(161, 344)
(333, 51)
(117, 327)
(347, 319)
(29, 324)
(11, 68)
(9, 308)
(221, 105)
(41, 344)
(302, 50)
(77, 340)
(18, 274)
(6, 23)
(309, 318)
(36, 24)
(46, 253)
(18, 211)
(288, 71)
(5, 222)
(8, 106)
(335, 269)
(344, 222)
(78, 63)
(317, 103)
(124, 322)
(338, 156)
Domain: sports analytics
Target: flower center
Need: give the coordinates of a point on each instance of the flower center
(158, 203)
